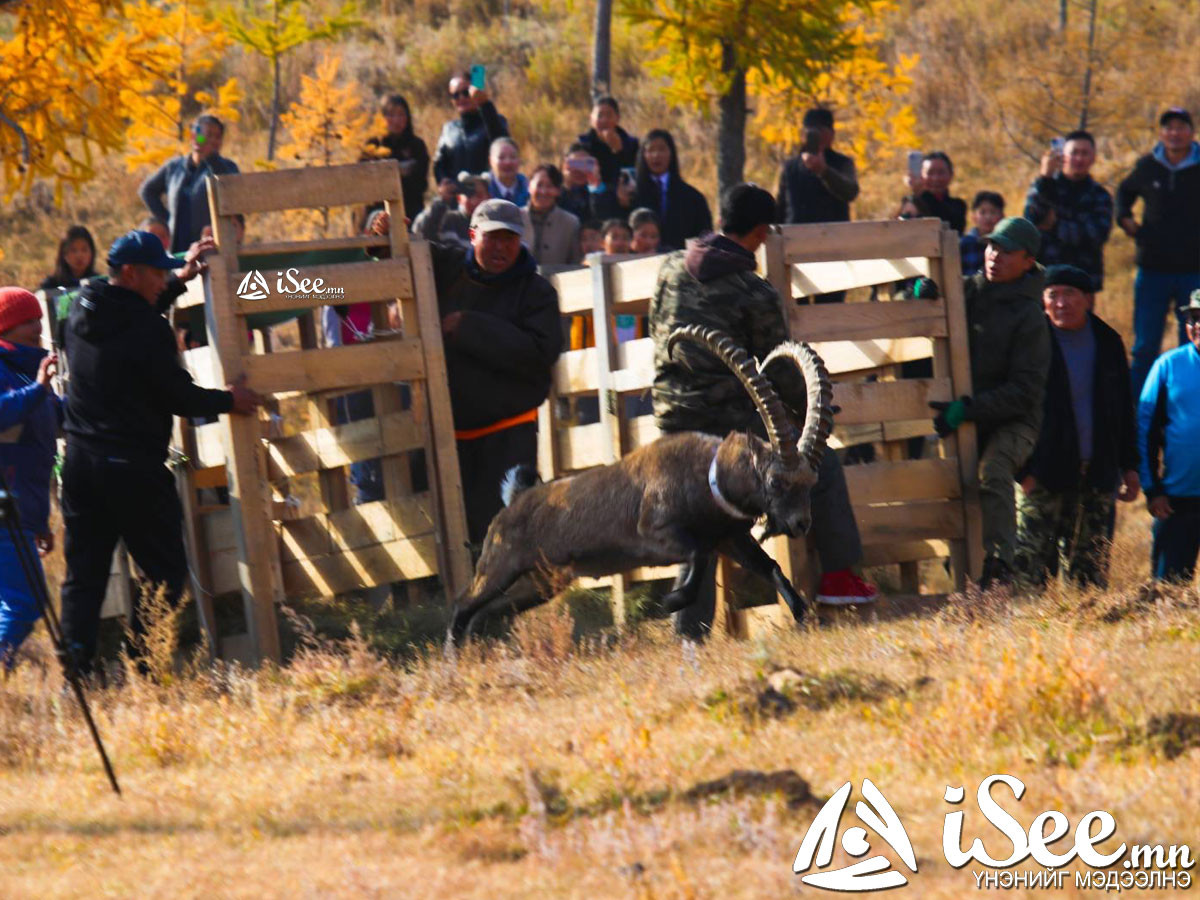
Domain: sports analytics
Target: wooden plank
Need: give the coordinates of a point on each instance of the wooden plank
(841, 357)
(380, 522)
(547, 442)
(809, 279)
(868, 321)
(633, 282)
(635, 360)
(336, 573)
(264, 248)
(340, 445)
(210, 445)
(916, 479)
(193, 295)
(211, 477)
(574, 290)
(337, 367)
(249, 494)
(636, 576)
(884, 239)
(872, 432)
(909, 521)
(640, 431)
(200, 362)
(352, 282)
(967, 448)
(582, 447)
(575, 372)
(442, 455)
(317, 187)
(904, 551)
(880, 401)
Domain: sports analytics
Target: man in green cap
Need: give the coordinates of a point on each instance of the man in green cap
(1010, 356)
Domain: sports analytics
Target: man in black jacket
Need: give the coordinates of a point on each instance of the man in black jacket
(465, 141)
(1168, 239)
(126, 384)
(503, 333)
(1087, 445)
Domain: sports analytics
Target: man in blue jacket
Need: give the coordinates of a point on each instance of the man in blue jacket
(1169, 442)
(183, 180)
(1168, 239)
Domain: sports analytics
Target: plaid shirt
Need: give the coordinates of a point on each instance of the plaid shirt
(1084, 217)
(970, 247)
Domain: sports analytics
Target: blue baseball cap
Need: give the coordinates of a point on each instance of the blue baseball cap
(140, 248)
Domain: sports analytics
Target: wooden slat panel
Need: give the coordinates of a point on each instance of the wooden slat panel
(211, 477)
(646, 573)
(852, 356)
(380, 522)
(868, 321)
(641, 431)
(582, 447)
(574, 291)
(636, 362)
(264, 248)
(881, 401)
(192, 296)
(317, 187)
(210, 445)
(576, 372)
(634, 281)
(336, 367)
(868, 433)
(361, 282)
(340, 445)
(812, 278)
(201, 363)
(909, 521)
(886, 239)
(337, 573)
(915, 479)
(905, 551)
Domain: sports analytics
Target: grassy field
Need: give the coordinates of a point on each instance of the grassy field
(547, 766)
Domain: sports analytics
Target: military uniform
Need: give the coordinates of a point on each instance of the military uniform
(1071, 527)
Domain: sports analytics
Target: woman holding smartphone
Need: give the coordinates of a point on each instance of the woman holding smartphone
(682, 210)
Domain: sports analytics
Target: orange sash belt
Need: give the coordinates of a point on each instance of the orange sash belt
(511, 422)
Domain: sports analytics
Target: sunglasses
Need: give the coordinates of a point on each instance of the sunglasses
(465, 92)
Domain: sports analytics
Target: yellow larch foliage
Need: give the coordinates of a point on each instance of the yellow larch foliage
(875, 121)
(327, 124)
(193, 42)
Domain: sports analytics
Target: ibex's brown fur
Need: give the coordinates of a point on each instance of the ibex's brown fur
(656, 507)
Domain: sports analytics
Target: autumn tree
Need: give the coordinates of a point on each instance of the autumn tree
(193, 43)
(710, 49)
(69, 73)
(274, 28)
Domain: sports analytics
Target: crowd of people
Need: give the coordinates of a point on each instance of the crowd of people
(1066, 425)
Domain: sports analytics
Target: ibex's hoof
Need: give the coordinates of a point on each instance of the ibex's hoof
(677, 600)
(459, 627)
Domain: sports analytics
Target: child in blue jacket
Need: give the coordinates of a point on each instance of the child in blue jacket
(29, 419)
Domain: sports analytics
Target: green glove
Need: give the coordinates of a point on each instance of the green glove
(956, 412)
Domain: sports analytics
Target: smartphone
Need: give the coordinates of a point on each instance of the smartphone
(915, 160)
(812, 141)
(1057, 144)
(587, 164)
(629, 173)
(478, 77)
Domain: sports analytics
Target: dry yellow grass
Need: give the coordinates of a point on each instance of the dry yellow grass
(544, 768)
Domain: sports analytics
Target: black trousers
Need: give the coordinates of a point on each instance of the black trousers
(106, 498)
(483, 462)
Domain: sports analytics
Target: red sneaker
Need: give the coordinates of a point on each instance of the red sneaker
(845, 588)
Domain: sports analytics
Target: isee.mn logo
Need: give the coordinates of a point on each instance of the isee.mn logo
(253, 286)
(1044, 847)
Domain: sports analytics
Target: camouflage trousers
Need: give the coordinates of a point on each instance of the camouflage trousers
(1064, 531)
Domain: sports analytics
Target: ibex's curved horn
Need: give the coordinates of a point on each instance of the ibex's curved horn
(770, 408)
(818, 417)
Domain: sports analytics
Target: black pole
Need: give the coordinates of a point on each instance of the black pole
(36, 579)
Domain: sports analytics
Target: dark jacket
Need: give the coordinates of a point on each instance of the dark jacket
(688, 215)
(185, 184)
(1010, 350)
(578, 202)
(1055, 460)
(29, 418)
(713, 283)
(1083, 214)
(951, 210)
(499, 358)
(407, 148)
(804, 198)
(126, 377)
(611, 163)
(1169, 237)
(464, 142)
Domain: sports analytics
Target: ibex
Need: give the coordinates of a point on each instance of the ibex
(673, 501)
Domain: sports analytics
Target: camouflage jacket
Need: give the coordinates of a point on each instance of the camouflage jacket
(712, 283)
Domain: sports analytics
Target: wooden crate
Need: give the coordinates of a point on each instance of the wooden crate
(274, 540)
(907, 510)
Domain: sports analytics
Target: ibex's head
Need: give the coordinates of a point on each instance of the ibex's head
(787, 470)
